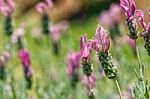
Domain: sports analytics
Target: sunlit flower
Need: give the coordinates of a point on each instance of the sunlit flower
(102, 41)
(129, 8)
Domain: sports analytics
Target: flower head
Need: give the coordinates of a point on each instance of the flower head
(129, 7)
(101, 40)
(24, 56)
(43, 7)
(85, 47)
(140, 17)
(7, 8)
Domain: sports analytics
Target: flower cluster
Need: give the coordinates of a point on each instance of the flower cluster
(101, 44)
(24, 56)
(73, 67)
(128, 7)
(130, 11)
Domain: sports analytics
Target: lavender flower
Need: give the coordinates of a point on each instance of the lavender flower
(17, 37)
(102, 41)
(56, 31)
(101, 45)
(6, 9)
(43, 8)
(85, 49)
(146, 29)
(3, 60)
(129, 8)
(25, 59)
(73, 67)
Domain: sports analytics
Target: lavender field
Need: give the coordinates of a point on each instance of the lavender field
(55, 49)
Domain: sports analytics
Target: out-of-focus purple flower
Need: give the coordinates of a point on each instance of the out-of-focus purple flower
(85, 47)
(131, 42)
(36, 33)
(146, 33)
(24, 56)
(72, 63)
(58, 29)
(110, 17)
(129, 8)
(7, 8)
(5, 57)
(44, 6)
(101, 40)
(140, 17)
(17, 35)
(89, 81)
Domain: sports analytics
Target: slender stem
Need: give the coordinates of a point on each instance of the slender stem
(139, 60)
(118, 87)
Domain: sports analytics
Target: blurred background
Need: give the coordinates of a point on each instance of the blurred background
(50, 78)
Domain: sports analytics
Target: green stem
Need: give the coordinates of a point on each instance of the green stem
(139, 60)
(118, 87)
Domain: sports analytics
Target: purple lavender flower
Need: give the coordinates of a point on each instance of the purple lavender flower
(44, 6)
(146, 29)
(73, 67)
(3, 61)
(85, 47)
(102, 41)
(129, 8)
(101, 44)
(25, 59)
(7, 9)
(18, 34)
(58, 29)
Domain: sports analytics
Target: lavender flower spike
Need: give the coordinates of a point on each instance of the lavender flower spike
(146, 29)
(128, 7)
(101, 45)
(25, 59)
(73, 67)
(85, 49)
